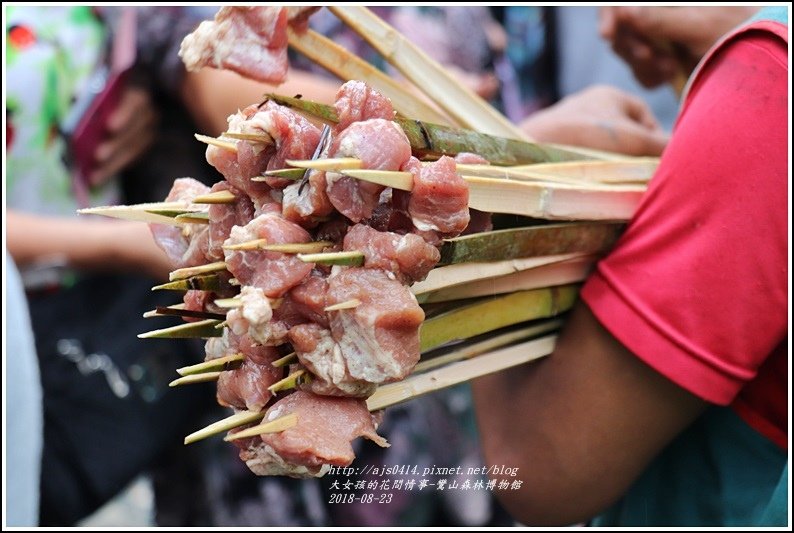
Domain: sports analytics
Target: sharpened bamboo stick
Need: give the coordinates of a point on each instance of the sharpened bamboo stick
(479, 348)
(347, 66)
(191, 330)
(156, 312)
(388, 178)
(212, 141)
(288, 382)
(331, 164)
(228, 303)
(149, 212)
(285, 173)
(263, 137)
(351, 258)
(195, 378)
(286, 360)
(218, 364)
(431, 78)
(418, 385)
(349, 304)
(218, 197)
(189, 272)
(201, 217)
(287, 248)
(272, 426)
(236, 420)
(210, 282)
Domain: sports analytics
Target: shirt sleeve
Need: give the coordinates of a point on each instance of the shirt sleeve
(697, 287)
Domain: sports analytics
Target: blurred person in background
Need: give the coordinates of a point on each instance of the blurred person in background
(106, 415)
(665, 400)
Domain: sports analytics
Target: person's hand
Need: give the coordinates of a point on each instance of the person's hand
(660, 43)
(602, 118)
(131, 129)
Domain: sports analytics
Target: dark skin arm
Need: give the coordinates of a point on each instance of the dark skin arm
(580, 425)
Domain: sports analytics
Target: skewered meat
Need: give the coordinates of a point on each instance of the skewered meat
(380, 145)
(356, 101)
(408, 256)
(185, 245)
(251, 41)
(379, 338)
(273, 272)
(440, 198)
(223, 217)
(325, 428)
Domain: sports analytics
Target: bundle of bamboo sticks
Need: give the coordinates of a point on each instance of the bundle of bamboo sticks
(495, 299)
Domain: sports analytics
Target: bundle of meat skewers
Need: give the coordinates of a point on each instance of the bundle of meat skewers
(304, 267)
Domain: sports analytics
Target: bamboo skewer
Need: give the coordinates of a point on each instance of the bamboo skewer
(210, 282)
(195, 378)
(288, 382)
(156, 312)
(220, 143)
(218, 197)
(290, 248)
(329, 164)
(286, 360)
(263, 137)
(213, 365)
(191, 330)
(347, 66)
(221, 426)
(151, 213)
(350, 258)
(447, 92)
(272, 426)
(349, 304)
(420, 384)
(285, 173)
(199, 217)
(228, 303)
(189, 272)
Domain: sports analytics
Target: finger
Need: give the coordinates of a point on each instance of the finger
(607, 23)
(123, 148)
(638, 111)
(636, 140)
(133, 101)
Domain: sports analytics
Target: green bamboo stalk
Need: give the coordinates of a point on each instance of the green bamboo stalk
(493, 313)
(433, 140)
(550, 239)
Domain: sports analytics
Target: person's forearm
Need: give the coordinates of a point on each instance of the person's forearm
(212, 95)
(83, 244)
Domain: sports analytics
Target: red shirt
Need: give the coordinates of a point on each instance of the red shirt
(697, 287)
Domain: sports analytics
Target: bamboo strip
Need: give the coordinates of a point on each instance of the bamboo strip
(420, 384)
(347, 66)
(195, 378)
(494, 313)
(189, 272)
(430, 77)
(478, 348)
(230, 422)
